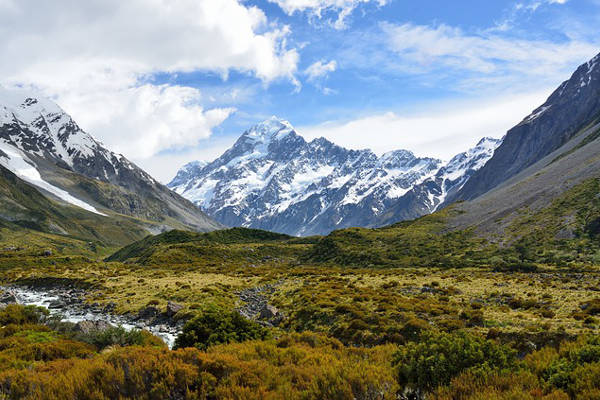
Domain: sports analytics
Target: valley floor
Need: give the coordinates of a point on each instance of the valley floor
(321, 331)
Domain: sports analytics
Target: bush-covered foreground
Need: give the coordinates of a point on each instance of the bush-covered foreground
(40, 359)
(412, 311)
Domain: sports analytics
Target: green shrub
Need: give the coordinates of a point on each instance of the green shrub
(18, 314)
(215, 326)
(119, 336)
(438, 358)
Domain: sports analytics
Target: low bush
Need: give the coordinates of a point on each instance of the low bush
(119, 336)
(216, 326)
(438, 358)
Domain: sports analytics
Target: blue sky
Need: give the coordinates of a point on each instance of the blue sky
(165, 88)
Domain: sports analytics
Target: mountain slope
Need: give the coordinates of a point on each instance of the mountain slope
(23, 208)
(502, 211)
(273, 179)
(42, 145)
(572, 107)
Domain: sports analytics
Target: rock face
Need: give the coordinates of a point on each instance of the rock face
(572, 107)
(43, 145)
(273, 179)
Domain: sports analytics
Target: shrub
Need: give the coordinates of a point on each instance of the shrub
(440, 357)
(119, 336)
(215, 326)
(18, 314)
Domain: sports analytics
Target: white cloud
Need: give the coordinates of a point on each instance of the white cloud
(533, 5)
(445, 130)
(319, 69)
(485, 57)
(147, 119)
(94, 57)
(318, 7)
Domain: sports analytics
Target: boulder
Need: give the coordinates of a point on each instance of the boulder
(268, 312)
(88, 326)
(148, 313)
(56, 304)
(173, 308)
(7, 298)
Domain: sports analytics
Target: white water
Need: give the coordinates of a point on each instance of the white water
(74, 313)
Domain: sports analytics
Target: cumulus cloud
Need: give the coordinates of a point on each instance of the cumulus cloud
(95, 57)
(318, 8)
(151, 118)
(320, 69)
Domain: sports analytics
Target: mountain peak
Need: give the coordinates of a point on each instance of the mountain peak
(485, 139)
(398, 155)
(273, 179)
(25, 105)
(270, 129)
(195, 165)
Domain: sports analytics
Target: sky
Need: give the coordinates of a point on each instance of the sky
(165, 82)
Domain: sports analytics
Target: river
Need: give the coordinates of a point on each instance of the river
(59, 302)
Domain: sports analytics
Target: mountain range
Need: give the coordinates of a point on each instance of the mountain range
(56, 178)
(273, 179)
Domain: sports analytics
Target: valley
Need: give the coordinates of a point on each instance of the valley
(278, 264)
(322, 309)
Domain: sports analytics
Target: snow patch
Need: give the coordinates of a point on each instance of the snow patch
(20, 165)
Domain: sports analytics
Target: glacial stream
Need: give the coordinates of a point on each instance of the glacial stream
(60, 302)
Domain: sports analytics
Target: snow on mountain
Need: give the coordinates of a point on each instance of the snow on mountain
(452, 177)
(43, 145)
(39, 127)
(17, 162)
(272, 178)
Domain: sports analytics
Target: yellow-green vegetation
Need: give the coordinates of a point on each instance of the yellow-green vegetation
(414, 309)
(40, 363)
(41, 359)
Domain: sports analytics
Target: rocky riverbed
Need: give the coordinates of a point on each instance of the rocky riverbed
(255, 304)
(70, 304)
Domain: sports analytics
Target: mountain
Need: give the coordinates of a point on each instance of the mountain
(44, 147)
(30, 219)
(273, 179)
(571, 108)
(555, 155)
(432, 193)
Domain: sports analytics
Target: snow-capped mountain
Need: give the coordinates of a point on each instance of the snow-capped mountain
(39, 127)
(431, 194)
(43, 146)
(273, 179)
(452, 176)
